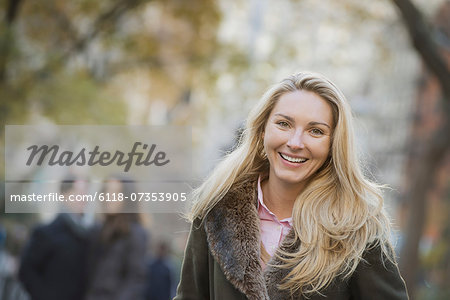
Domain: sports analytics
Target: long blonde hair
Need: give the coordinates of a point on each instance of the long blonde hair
(338, 213)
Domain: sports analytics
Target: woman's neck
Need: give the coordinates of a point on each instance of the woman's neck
(280, 198)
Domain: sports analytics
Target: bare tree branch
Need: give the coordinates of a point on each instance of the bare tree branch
(421, 37)
(110, 16)
(106, 19)
(12, 11)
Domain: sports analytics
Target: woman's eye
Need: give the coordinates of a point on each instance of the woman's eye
(316, 131)
(283, 123)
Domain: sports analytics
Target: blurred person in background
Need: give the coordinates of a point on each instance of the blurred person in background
(12, 240)
(288, 214)
(117, 255)
(53, 263)
(160, 276)
(7, 266)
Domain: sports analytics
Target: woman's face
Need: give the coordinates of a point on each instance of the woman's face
(297, 137)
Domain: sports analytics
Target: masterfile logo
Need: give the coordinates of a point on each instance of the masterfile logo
(94, 157)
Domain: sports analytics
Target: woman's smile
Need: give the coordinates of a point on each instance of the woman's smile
(293, 159)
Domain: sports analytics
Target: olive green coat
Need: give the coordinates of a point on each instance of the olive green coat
(222, 261)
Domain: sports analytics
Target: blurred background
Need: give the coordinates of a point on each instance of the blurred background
(205, 63)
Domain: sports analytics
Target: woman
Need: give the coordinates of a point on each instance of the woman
(288, 214)
(117, 258)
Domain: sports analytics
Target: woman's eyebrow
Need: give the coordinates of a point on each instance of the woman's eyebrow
(286, 117)
(319, 123)
(313, 123)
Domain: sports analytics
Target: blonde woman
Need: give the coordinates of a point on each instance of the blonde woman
(288, 214)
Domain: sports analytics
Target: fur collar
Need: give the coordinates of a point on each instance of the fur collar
(233, 234)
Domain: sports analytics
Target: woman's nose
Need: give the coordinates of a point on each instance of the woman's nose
(296, 141)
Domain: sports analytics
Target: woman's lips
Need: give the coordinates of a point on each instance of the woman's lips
(292, 159)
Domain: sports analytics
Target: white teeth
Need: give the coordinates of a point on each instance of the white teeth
(292, 159)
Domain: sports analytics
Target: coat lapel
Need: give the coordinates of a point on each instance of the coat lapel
(232, 229)
(233, 234)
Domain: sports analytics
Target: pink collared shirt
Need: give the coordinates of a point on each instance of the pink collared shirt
(273, 230)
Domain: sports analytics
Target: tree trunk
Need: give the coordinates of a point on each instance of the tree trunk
(421, 181)
(432, 151)
(6, 39)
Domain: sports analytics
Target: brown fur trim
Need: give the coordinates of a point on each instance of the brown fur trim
(233, 234)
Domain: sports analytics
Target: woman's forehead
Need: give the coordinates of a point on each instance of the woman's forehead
(302, 105)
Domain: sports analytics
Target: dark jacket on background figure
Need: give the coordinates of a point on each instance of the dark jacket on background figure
(222, 261)
(118, 270)
(53, 264)
(159, 280)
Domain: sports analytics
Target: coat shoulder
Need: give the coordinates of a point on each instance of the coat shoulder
(377, 275)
